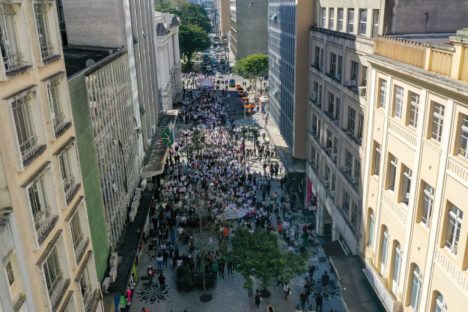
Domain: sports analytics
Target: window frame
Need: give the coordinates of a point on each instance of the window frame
(463, 137)
(382, 93)
(427, 204)
(437, 121)
(415, 289)
(350, 20)
(331, 18)
(362, 30)
(57, 272)
(340, 19)
(375, 22)
(452, 239)
(398, 97)
(377, 157)
(413, 109)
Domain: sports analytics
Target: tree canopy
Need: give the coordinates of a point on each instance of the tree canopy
(192, 38)
(252, 66)
(189, 13)
(259, 255)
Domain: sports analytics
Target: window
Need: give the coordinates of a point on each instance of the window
(333, 64)
(398, 108)
(331, 18)
(406, 185)
(340, 19)
(331, 103)
(396, 269)
(360, 126)
(346, 201)
(437, 121)
(364, 76)
(25, 130)
(362, 21)
(350, 27)
(354, 71)
(323, 14)
(413, 109)
(383, 92)
(452, 235)
(77, 233)
(392, 169)
(440, 305)
(68, 178)
(52, 271)
(370, 241)
(384, 252)
(9, 45)
(56, 111)
(415, 288)
(376, 158)
(339, 70)
(317, 57)
(10, 274)
(375, 22)
(355, 215)
(464, 137)
(38, 201)
(427, 204)
(329, 141)
(351, 120)
(348, 165)
(42, 23)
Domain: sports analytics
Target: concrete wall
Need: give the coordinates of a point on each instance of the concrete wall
(89, 172)
(95, 23)
(432, 16)
(252, 27)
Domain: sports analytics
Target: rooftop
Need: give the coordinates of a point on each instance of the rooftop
(79, 58)
(441, 38)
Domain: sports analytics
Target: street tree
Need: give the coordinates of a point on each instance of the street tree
(192, 38)
(252, 67)
(259, 255)
(189, 13)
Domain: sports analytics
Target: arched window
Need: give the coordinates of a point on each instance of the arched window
(440, 305)
(384, 252)
(416, 285)
(396, 268)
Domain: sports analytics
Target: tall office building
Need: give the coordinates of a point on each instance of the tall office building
(249, 27)
(46, 253)
(338, 97)
(117, 24)
(223, 17)
(416, 172)
(289, 22)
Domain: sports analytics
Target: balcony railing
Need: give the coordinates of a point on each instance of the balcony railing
(90, 300)
(60, 124)
(81, 248)
(19, 302)
(70, 186)
(44, 222)
(58, 292)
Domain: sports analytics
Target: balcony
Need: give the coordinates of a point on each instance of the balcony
(57, 294)
(60, 124)
(90, 300)
(458, 169)
(71, 188)
(397, 210)
(457, 276)
(402, 133)
(80, 249)
(30, 150)
(44, 222)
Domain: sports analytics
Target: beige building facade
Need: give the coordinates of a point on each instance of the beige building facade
(45, 247)
(416, 173)
(224, 17)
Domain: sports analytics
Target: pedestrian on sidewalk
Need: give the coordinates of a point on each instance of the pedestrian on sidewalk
(258, 298)
(162, 281)
(230, 267)
(325, 279)
(319, 302)
(270, 308)
(303, 299)
(286, 290)
(312, 269)
(222, 265)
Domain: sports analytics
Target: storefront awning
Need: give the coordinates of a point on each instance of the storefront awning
(156, 156)
(358, 295)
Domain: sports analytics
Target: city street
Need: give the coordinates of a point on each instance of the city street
(228, 293)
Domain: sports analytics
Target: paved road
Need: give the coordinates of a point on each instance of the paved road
(229, 294)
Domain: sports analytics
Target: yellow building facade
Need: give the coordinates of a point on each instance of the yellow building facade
(415, 188)
(46, 254)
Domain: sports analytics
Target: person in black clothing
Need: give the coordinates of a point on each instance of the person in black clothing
(162, 281)
(221, 266)
(319, 302)
(312, 269)
(325, 279)
(230, 267)
(303, 298)
(257, 299)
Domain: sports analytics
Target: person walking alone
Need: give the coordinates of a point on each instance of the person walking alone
(258, 298)
(319, 302)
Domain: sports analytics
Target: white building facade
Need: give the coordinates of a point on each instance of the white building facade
(168, 58)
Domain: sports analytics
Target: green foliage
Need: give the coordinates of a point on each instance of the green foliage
(259, 255)
(189, 13)
(252, 66)
(192, 38)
